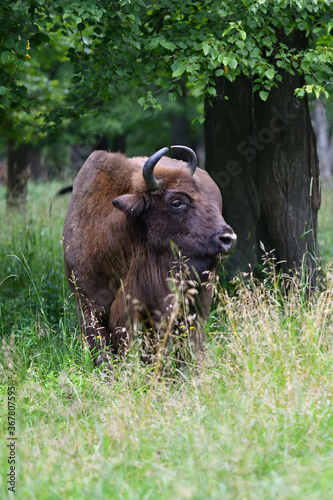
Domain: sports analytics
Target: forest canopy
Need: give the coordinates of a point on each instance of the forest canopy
(114, 46)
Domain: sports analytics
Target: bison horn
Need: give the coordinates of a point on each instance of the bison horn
(192, 158)
(148, 169)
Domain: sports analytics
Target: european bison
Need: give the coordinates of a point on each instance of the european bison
(129, 220)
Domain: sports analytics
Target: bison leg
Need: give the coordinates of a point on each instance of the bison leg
(119, 325)
(96, 335)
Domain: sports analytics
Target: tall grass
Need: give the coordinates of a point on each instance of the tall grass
(254, 421)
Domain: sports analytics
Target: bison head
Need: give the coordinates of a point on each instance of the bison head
(174, 204)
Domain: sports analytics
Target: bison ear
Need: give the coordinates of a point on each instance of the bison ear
(131, 204)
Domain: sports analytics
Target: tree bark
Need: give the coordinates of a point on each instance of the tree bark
(289, 176)
(228, 125)
(34, 162)
(263, 157)
(17, 174)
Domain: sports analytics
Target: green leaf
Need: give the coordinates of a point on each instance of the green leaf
(8, 57)
(167, 45)
(263, 95)
(233, 63)
(211, 91)
(225, 60)
(136, 45)
(206, 49)
(3, 90)
(231, 77)
(200, 119)
(240, 44)
(270, 73)
(4, 101)
(22, 91)
(76, 79)
(299, 92)
(9, 43)
(329, 26)
(178, 71)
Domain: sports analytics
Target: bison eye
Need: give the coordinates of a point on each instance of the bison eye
(177, 205)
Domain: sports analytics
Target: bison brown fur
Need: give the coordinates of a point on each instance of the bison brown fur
(120, 236)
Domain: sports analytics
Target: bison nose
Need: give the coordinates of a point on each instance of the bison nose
(225, 240)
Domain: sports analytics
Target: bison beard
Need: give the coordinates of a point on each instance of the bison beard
(134, 227)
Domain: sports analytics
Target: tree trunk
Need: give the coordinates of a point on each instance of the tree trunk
(289, 176)
(34, 162)
(263, 157)
(228, 125)
(17, 175)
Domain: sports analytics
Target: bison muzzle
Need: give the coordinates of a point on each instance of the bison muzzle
(130, 222)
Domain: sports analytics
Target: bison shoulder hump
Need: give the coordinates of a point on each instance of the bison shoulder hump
(103, 168)
(108, 162)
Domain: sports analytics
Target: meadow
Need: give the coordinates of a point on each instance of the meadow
(255, 421)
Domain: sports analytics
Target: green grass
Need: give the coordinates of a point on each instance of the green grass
(255, 422)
